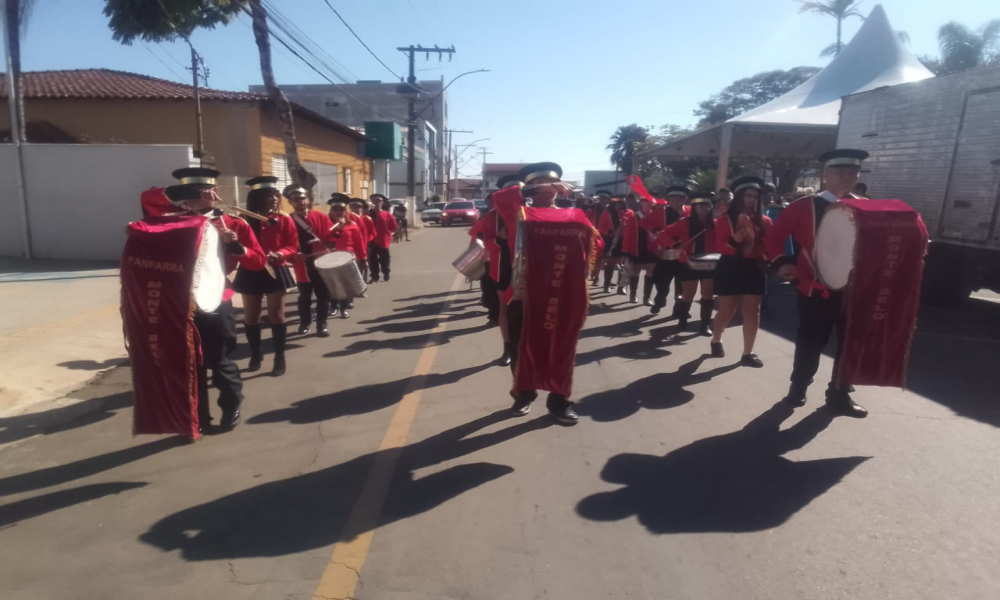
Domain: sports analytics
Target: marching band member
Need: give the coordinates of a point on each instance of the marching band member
(313, 231)
(819, 307)
(485, 229)
(565, 302)
(196, 192)
(501, 275)
(346, 236)
(693, 236)
(740, 278)
(610, 228)
(638, 248)
(278, 238)
(358, 212)
(666, 271)
(385, 225)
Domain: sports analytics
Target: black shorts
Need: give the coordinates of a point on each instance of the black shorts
(259, 283)
(689, 274)
(739, 276)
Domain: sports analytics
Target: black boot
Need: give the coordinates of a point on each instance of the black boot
(279, 334)
(608, 272)
(253, 340)
(504, 360)
(682, 309)
(633, 289)
(706, 317)
(647, 291)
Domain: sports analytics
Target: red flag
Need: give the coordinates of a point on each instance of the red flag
(158, 310)
(638, 187)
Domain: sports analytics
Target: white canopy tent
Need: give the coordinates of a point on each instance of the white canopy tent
(803, 122)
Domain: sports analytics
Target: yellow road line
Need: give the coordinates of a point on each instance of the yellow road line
(24, 334)
(342, 574)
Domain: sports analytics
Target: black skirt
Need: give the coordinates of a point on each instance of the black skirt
(689, 274)
(259, 283)
(739, 276)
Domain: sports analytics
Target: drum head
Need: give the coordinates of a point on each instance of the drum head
(334, 260)
(706, 257)
(208, 283)
(835, 242)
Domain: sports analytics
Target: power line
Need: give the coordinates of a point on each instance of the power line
(162, 62)
(310, 47)
(357, 37)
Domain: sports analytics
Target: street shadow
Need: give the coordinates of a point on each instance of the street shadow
(412, 342)
(51, 476)
(53, 265)
(732, 483)
(418, 311)
(64, 418)
(603, 308)
(952, 358)
(92, 365)
(656, 392)
(310, 511)
(415, 326)
(40, 505)
(362, 399)
(634, 350)
(627, 328)
(444, 294)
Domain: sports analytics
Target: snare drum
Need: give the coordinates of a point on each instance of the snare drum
(669, 254)
(472, 262)
(340, 274)
(704, 263)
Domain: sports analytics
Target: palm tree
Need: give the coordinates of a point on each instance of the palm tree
(167, 20)
(623, 144)
(839, 10)
(703, 180)
(17, 12)
(963, 49)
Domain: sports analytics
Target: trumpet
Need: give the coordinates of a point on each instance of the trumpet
(239, 211)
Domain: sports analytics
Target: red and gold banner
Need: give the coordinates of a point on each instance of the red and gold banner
(556, 264)
(881, 301)
(157, 310)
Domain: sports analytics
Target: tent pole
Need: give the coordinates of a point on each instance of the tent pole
(724, 148)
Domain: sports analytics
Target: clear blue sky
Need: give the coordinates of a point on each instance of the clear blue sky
(564, 73)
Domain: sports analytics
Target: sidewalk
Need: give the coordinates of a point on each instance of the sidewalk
(60, 327)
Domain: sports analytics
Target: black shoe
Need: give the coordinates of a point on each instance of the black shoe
(565, 415)
(621, 291)
(521, 407)
(504, 360)
(647, 302)
(255, 362)
(717, 350)
(842, 404)
(344, 314)
(279, 366)
(682, 324)
(230, 420)
(706, 329)
(322, 331)
(751, 360)
(387, 277)
(607, 289)
(350, 305)
(655, 309)
(303, 329)
(796, 395)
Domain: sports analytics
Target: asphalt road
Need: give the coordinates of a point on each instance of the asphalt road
(383, 467)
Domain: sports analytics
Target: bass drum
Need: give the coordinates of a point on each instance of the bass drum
(340, 275)
(835, 246)
(208, 281)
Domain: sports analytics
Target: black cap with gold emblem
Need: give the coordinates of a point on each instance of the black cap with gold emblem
(262, 182)
(678, 190)
(747, 183)
(701, 198)
(843, 157)
(508, 180)
(338, 198)
(542, 170)
(191, 182)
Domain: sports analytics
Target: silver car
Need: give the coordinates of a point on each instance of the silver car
(432, 214)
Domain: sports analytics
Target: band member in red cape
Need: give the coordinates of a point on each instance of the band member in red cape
(639, 250)
(819, 307)
(501, 268)
(667, 270)
(610, 227)
(359, 214)
(346, 236)
(550, 290)
(385, 225)
(154, 203)
(694, 236)
(313, 231)
(740, 277)
(280, 241)
(485, 229)
(196, 193)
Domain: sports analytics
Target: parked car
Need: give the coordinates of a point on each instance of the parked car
(432, 214)
(459, 212)
(481, 206)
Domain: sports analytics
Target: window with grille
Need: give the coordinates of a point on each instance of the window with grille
(348, 185)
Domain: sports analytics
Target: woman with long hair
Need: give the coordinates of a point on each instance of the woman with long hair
(280, 242)
(694, 236)
(740, 277)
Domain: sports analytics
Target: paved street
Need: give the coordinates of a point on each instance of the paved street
(383, 466)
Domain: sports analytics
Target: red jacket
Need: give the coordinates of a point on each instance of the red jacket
(254, 257)
(367, 230)
(385, 225)
(725, 245)
(348, 238)
(282, 238)
(680, 233)
(487, 228)
(320, 224)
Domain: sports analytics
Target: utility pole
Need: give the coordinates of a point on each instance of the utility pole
(484, 152)
(451, 158)
(196, 66)
(16, 126)
(413, 91)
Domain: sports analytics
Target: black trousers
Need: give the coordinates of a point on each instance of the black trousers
(306, 291)
(378, 261)
(491, 297)
(218, 342)
(818, 318)
(515, 324)
(664, 272)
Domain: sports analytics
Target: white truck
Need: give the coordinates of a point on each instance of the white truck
(935, 144)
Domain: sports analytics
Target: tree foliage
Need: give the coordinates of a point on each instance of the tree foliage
(167, 20)
(963, 48)
(749, 93)
(839, 10)
(623, 145)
